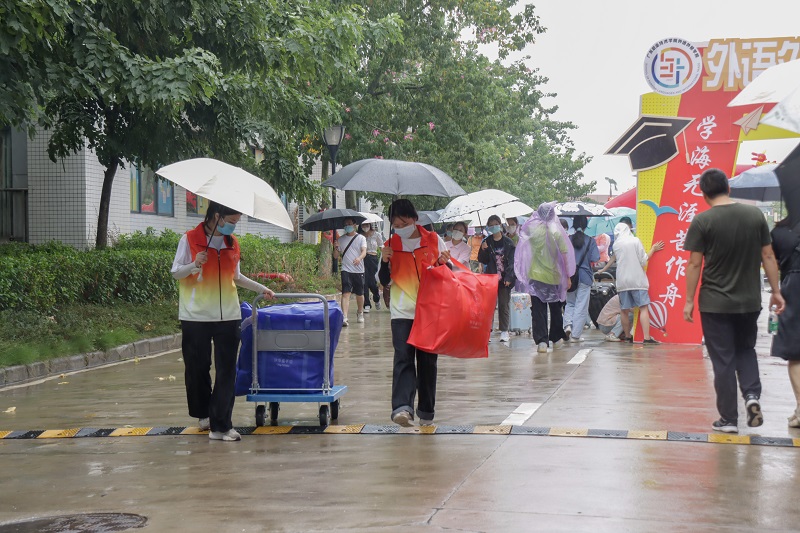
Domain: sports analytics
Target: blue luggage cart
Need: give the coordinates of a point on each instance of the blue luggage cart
(304, 340)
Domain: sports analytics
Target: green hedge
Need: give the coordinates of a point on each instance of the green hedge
(137, 270)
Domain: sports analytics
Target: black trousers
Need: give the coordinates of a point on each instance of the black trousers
(205, 402)
(408, 377)
(539, 321)
(371, 282)
(731, 341)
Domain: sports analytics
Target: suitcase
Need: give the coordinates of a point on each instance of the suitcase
(290, 371)
(602, 291)
(520, 313)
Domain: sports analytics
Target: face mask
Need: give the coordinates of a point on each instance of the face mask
(512, 230)
(448, 233)
(493, 229)
(349, 229)
(458, 235)
(406, 232)
(227, 229)
(366, 229)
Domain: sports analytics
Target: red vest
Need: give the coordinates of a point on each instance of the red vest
(211, 296)
(407, 267)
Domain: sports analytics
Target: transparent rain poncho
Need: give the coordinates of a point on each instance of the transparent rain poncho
(544, 258)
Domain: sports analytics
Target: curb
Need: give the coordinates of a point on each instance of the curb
(15, 375)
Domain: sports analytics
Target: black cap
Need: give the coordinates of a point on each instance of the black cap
(650, 141)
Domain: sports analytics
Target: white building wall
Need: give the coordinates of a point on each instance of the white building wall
(64, 202)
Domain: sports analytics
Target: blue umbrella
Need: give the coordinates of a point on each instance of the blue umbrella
(598, 225)
(758, 183)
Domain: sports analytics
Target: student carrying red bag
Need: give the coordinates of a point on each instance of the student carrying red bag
(405, 256)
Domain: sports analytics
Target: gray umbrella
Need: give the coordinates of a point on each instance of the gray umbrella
(758, 183)
(427, 217)
(331, 219)
(398, 178)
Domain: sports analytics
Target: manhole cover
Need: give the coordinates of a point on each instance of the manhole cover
(77, 523)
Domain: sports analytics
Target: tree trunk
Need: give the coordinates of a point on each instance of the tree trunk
(105, 201)
(325, 258)
(351, 200)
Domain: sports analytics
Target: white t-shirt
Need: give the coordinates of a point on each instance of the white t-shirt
(374, 242)
(353, 252)
(460, 252)
(631, 259)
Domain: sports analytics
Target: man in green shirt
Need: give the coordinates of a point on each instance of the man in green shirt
(733, 240)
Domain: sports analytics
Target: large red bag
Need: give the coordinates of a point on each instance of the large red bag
(454, 312)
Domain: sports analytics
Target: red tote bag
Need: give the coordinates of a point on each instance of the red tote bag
(454, 312)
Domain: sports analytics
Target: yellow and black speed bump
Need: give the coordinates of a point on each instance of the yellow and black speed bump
(373, 429)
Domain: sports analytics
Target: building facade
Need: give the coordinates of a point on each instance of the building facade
(43, 201)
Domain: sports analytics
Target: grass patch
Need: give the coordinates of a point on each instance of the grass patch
(27, 336)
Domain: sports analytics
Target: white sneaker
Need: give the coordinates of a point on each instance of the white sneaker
(366, 309)
(403, 418)
(575, 340)
(568, 331)
(558, 344)
(204, 423)
(424, 422)
(503, 336)
(345, 323)
(378, 305)
(360, 318)
(612, 338)
(542, 347)
(229, 436)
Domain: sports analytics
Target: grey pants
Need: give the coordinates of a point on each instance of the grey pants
(504, 306)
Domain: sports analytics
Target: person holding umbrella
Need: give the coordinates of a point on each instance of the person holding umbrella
(352, 248)
(207, 267)
(410, 250)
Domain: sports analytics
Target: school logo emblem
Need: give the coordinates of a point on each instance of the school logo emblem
(672, 66)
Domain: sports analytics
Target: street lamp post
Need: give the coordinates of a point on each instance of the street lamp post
(332, 137)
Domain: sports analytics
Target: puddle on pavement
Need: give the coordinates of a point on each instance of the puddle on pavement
(77, 523)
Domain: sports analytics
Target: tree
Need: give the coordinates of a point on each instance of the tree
(155, 81)
(435, 98)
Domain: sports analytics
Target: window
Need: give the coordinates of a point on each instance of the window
(195, 205)
(150, 194)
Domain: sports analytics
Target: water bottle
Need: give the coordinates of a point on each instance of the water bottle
(772, 323)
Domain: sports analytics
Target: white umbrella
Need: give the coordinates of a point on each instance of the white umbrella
(781, 84)
(230, 186)
(574, 209)
(513, 209)
(371, 218)
(482, 204)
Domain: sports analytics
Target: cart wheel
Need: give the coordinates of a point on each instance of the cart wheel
(274, 407)
(261, 415)
(324, 415)
(335, 410)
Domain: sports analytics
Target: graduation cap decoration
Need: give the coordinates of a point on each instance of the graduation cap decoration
(650, 141)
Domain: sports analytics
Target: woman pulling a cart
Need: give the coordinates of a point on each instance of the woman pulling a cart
(207, 267)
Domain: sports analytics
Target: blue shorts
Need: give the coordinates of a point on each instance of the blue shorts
(632, 299)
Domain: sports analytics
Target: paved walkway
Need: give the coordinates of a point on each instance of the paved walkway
(413, 482)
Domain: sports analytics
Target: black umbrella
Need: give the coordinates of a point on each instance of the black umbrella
(331, 219)
(789, 178)
(398, 178)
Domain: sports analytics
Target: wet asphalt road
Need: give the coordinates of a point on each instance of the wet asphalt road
(363, 482)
